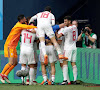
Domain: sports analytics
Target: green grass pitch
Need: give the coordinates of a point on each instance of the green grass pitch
(46, 87)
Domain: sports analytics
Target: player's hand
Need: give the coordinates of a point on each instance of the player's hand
(33, 31)
(86, 34)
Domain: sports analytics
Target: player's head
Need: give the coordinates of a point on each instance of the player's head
(28, 19)
(21, 18)
(67, 20)
(88, 26)
(75, 22)
(48, 8)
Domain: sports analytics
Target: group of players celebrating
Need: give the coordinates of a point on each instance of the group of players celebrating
(51, 38)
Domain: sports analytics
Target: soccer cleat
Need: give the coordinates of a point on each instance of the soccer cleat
(66, 58)
(53, 83)
(69, 83)
(27, 81)
(61, 56)
(35, 82)
(45, 83)
(32, 83)
(45, 59)
(42, 83)
(64, 83)
(6, 79)
(49, 83)
(2, 78)
(74, 82)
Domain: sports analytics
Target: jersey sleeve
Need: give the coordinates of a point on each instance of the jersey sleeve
(55, 28)
(24, 26)
(53, 20)
(65, 30)
(94, 36)
(60, 31)
(33, 18)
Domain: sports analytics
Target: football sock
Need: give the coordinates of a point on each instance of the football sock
(65, 72)
(45, 77)
(9, 70)
(75, 72)
(43, 48)
(7, 66)
(31, 73)
(53, 78)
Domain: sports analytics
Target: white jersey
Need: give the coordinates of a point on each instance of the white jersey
(62, 39)
(27, 38)
(71, 35)
(44, 18)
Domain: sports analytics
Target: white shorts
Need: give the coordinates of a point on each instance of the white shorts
(27, 56)
(51, 54)
(71, 54)
(45, 30)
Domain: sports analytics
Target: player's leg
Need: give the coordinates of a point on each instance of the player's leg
(35, 72)
(41, 34)
(53, 73)
(65, 72)
(67, 53)
(43, 50)
(73, 63)
(27, 78)
(44, 73)
(31, 74)
(23, 67)
(50, 33)
(52, 60)
(7, 70)
(31, 64)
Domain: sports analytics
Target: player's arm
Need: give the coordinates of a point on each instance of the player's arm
(61, 25)
(53, 20)
(59, 35)
(24, 26)
(33, 18)
(93, 38)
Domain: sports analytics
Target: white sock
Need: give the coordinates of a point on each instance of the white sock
(65, 73)
(23, 68)
(45, 77)
(53, 78)
(57, 48)
(35, 72)
(31, 73)
(27, 78)
(43, 48)
(75, 72)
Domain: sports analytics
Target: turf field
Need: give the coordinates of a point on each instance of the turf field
(49, 87)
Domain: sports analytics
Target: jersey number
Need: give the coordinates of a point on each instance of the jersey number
(74, 35)
(44, 15)
(27, 37)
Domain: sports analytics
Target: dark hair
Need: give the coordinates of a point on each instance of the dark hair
(88, 25)
(20, 17)
(48, 8)
(27, 19)
(68, 18)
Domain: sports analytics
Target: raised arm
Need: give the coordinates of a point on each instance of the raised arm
(53, 20)
(33, 18)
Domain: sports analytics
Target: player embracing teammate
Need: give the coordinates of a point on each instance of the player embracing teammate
(71, 34)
